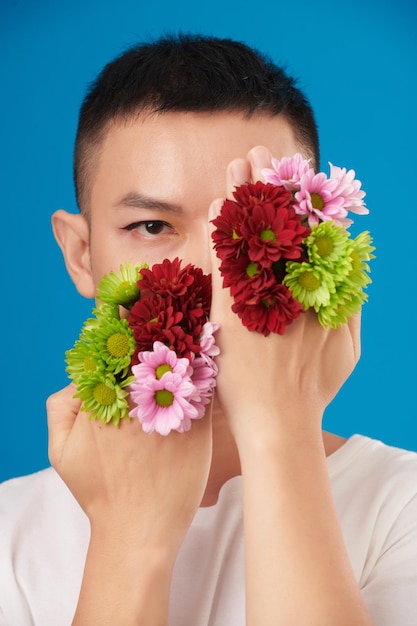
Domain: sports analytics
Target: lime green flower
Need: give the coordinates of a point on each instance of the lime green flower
(344, 303)
(311, 285)
(113, 339)
(328, 245)
(83, 360)
(104, 398)
(102, 313)
(121, 288)
(361, 253)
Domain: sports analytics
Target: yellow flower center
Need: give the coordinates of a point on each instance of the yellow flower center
(317, 201)
(118, 345)
(252, 269)
(104, 395)
(324, 245)
(161, 369)
(309, 281)
(89, 364)
(163, 397)
(268, 235)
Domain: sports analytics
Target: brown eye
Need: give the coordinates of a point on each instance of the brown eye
(154, 228)
(151, 227)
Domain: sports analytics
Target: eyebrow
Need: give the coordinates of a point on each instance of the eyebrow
(139, 201)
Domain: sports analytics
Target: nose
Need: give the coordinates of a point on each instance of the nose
(197, 248)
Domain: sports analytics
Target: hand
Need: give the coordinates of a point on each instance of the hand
(127, 480)
(280, 381)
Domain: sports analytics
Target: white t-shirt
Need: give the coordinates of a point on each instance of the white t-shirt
(44, 537)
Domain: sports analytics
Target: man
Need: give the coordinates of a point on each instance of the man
(255, 515)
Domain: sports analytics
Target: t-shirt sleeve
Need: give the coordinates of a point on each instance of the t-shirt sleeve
(390, 590)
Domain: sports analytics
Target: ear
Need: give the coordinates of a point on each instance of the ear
(71, 232)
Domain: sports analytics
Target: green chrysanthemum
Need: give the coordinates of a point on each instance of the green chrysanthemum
(83, 360)
(328, 245)
(104, 398)
(309, 284)
(121, 288)
(102, 313)
(361, 253)
(344, 303)
(114, 341)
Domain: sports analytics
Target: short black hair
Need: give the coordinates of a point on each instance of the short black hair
(192, 73)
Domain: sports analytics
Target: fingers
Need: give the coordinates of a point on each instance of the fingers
(62, 410)
(238, 173)
(259, 158)
(241, 171)
(354, 324)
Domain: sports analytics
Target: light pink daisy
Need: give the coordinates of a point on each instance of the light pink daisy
(164, 404)
(287, 171)
(207, 342)
(350, 189)
(204, 378)
(319, 200)
(158, 361)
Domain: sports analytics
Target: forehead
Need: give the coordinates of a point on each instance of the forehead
(176, 154)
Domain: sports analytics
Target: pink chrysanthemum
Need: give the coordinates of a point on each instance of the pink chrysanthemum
(287, 171)
(158, 361)
(204, 379)
(207, 342)
(318, 199)
(163, 404)
(349, 189)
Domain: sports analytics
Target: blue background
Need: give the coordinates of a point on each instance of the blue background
(356, 61)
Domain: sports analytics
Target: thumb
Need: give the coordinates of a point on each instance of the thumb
(62, 409)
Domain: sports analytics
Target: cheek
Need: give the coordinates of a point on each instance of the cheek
(104, 254)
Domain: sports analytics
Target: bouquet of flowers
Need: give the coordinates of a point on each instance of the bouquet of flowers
(148, 351)
(285, 246)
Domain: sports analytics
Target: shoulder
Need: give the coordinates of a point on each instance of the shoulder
(374, 485)
(43, 541)
(36, 500)
(24, 490)
(364, 458)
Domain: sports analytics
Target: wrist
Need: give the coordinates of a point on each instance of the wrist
(287, 428)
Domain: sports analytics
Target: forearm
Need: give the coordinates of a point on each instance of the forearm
(297, 567)
(124, 583)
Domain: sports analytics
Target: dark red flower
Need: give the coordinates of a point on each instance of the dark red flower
(228, 241)
(174, 305)
(166, 278)
(267, 312)
(245, 274)
(273, 233)
(254, 194)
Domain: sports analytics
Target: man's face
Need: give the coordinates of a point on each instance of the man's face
(156, 178)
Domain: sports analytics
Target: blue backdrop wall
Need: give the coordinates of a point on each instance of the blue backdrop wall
(357, 63)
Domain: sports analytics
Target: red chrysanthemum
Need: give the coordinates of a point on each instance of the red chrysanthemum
(244, 273)
(254, 194)
(273, 233)
(174, 306)
(166, 278)
(227, 238)
(267, 312)
(188, 284)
